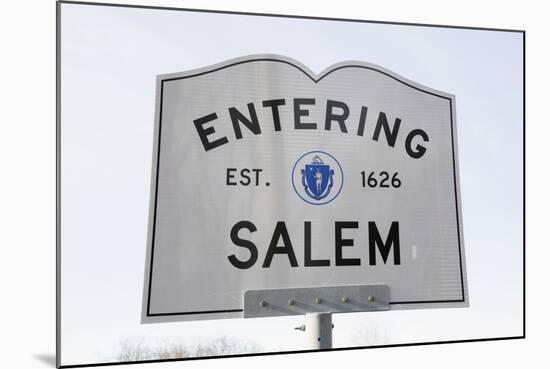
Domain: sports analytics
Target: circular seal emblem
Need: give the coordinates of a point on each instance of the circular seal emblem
(317, 177)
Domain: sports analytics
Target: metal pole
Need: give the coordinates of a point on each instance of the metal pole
(319, 330)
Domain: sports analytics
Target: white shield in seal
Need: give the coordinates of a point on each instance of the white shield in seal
(238, 204)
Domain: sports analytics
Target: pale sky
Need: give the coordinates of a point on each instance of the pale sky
(110, 57)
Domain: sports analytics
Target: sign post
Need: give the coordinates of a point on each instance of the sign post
(317, 304)
(319, 330)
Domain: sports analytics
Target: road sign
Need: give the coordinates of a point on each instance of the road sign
(267, 175)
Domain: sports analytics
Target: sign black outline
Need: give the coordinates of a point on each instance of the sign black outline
(315, 80)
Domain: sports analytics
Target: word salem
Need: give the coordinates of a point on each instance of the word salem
(336, 112)
(286, 249)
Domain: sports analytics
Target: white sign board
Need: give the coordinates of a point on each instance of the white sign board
(267, 175)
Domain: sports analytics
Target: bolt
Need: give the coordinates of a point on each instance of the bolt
(291, 302)
(345, 299)
(318, 300)
(371, 298)
(263, 303)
